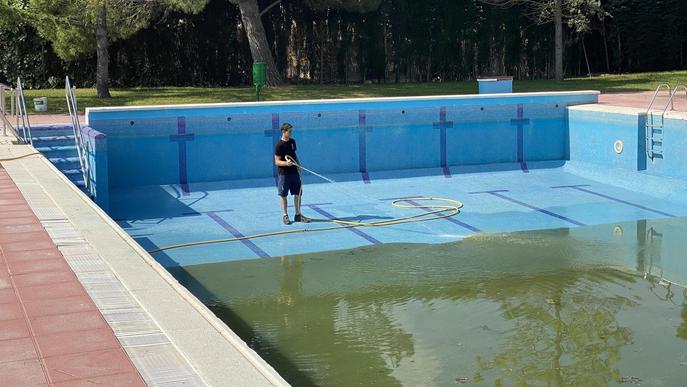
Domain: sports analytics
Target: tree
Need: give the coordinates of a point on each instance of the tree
(79, 27)
(576, 13)
(255, 31)
(257, 39)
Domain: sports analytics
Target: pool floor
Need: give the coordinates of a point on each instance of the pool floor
(497, 198)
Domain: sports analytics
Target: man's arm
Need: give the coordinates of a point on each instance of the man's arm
(281, 163)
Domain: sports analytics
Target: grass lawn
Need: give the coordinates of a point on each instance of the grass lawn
(181, 95)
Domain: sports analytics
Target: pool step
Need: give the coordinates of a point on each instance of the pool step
(655, 142)
(78, 181)
(57, 150)
(65, 163)
(53, 140)
(72, 172)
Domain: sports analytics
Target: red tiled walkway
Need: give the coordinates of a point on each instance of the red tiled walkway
(51, 332)
(642, 100)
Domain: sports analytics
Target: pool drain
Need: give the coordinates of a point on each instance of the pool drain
(618, 146)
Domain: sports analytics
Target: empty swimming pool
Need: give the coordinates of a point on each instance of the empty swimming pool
(487, 296)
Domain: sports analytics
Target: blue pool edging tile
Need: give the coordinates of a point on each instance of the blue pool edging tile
(96, 157)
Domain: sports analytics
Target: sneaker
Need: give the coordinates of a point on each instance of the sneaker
(301, 218)
(286, 220)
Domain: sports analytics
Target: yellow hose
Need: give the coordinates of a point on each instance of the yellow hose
(21, 157)
(437, 212)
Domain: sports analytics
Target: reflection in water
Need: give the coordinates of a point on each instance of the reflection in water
(586, 306)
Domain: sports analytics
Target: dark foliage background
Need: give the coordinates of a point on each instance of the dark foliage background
(405, 40)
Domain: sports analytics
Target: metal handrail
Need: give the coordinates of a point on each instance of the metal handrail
(4, 116)
(658, 90)
(649, 123)
(3, 108)
(672, 96)
(78, 136)
(22, 114)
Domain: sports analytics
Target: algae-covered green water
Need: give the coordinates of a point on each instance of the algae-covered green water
(588, 306)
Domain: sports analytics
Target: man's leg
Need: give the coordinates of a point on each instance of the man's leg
(297, 203)
(283, 201)
(282, 190)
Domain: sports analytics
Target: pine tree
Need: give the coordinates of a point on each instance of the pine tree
(79, 27)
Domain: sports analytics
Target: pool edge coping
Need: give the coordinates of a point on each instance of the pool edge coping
(613, 109)
(336, 101)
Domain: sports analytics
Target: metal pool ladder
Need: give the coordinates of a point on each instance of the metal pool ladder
(17, 109)
(81, 145)
(654, 123)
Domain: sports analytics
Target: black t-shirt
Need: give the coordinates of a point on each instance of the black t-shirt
(283, 149)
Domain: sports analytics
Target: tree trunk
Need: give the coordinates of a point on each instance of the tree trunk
(586, 59)
(102, 73)
(558, 25)
(620, 54)
(257, 39)
(603, 33)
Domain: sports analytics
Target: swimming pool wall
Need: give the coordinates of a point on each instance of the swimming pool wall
(199, 143)
(594, 129)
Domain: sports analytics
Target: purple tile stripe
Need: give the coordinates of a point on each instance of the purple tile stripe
(579, 188)
(452, 220)
(520, 122)
(247, 242)
(442, 125)
(203, 212)
(311, 204)
(362, 145)
(354, 230)
(499, 194)
(181, 138)
(401, 197)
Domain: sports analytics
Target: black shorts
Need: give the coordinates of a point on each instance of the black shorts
(290, 182)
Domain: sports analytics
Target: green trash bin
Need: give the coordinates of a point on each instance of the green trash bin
(259, 74)
(259, 77)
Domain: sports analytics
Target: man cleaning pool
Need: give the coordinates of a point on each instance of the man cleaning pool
(289, 177)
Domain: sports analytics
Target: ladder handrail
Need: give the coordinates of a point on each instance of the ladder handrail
(672, 96)
(78, 136)
(22, 113)
(658, 89)
(649, 120)
(670, 103)
(3, 111)
(4, 114)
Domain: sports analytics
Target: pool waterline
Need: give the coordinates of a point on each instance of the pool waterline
(497, 198)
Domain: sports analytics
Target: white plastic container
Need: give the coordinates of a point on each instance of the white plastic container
(40, 104)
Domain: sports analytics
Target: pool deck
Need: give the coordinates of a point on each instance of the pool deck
(50, 329)
(639, 99)
(81, 303)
